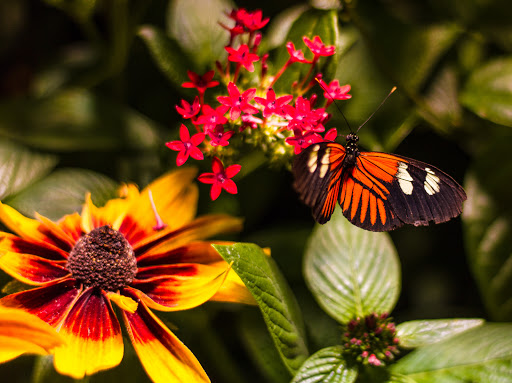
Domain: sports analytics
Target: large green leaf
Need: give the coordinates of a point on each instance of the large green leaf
(483, 354)
(275, 299)
(20, 167)
(76, 119)
(419, 333)
(63, 192)
(327, 366)
(487, 233)
(194, 24)
(167, 54)
(488, 91)
(351, 272)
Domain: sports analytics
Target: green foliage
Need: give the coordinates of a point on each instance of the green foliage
(277, 303)
(351, 272)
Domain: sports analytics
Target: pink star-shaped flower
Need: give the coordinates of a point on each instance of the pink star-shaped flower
(318, 48)
(212, 117)
(242, 56)
(333, 91)
(187, 146)
(303, 117)
(273, 105)
(238, 102)
(219, 137)
(201, 83)
(296, 55)
(302, 139)
(220, 178)
(188, 110)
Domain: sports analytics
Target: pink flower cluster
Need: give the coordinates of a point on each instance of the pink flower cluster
(279, 125)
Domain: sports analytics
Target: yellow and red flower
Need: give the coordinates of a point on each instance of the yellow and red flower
(84, 262)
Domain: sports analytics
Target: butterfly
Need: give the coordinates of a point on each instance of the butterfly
(376, 191)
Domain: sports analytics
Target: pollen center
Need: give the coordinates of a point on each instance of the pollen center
(103, 258)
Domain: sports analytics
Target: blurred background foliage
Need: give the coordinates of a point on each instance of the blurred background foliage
(87, 95)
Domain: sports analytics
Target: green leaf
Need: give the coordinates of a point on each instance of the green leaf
(275, 299)
(312, 22)
(280, 25)
(63, 192)
(351, 272)
(167, 54)
(487, 233)
(194, 24)
(327, 366)
(483, 354)
(20, 167)
(419, 333)
(261, 347)
(76, 119)
(79, 9)
(488, 91)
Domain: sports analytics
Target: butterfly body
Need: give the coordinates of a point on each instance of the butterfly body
(376, 191)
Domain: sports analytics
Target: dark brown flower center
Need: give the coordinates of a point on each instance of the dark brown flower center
(103, 258)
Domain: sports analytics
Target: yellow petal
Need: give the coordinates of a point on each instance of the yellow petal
(21, 332)
(233, 289)
(164, 357)
(123, 302)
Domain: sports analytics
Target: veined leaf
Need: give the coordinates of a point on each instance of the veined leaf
(419, 333)
(20, 167)
(63, 192)
(275, 299)
(483, 354)
(326, 366)
(351, 272)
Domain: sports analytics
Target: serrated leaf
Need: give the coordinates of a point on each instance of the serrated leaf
(194, 24)
(351, 272)
(275, 299)
(167, 55)
(76, 119)
(419, 333)
(310, 23)
(20, 167)
(483, 354)
(63, 192)
(488, 91)
(327, 366)
(487, 233)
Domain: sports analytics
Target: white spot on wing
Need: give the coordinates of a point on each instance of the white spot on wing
(313, 156)
(431, 183)
(404, 178)
(325, 161)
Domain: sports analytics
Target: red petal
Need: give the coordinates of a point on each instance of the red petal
(207, 178)
(182, 158)
(32, 269)
(50, 303)
(233, 170)
(93, 337)
(217, 165)
(184, 134)
(16, 244)
(175, 145)
(215, 191)
(230, 186)
(164, 357)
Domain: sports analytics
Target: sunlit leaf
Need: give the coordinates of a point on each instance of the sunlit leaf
(419, 333)
(327, 366)
(20, 167)
(275, 299)
(483, 354)
(488, 91)
(63, 192)
(194, 24)
(350, 271)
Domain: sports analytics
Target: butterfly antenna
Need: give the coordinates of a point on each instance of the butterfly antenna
(375, 111)
(334, 102)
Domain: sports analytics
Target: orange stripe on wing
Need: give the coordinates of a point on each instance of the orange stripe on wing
(364, 204)
(382, 211)
(358, 189)
(373, 209)
(349, 186)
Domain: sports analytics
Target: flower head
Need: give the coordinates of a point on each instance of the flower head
(201, 83)
(296, 55)
(273, 105)
(187, 146)
(318, 48)
(237, 102)
(220, 178)
(243, 56)
(80, 264)
(188, 110)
